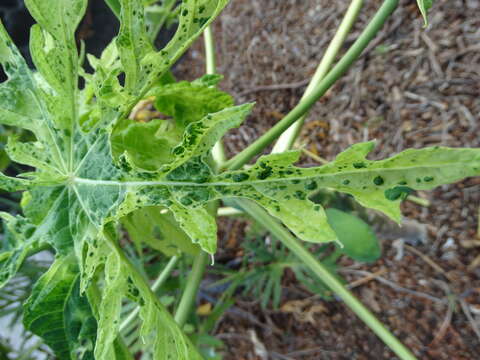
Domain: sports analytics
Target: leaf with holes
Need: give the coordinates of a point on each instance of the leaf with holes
(91, 170)
(66, 203)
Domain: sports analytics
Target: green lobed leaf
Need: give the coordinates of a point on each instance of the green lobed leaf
(185, 103)
(15, 246)
(379, 185)
(12, 184)
(188, 102)
(139, 140)
(58, 313)
(142, 64)
(115, 6)
(72, 130)
(84, 182)
(159, 332)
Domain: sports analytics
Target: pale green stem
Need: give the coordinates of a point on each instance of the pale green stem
(315, 157)
(218, 151)
(167, 270)
(211, 64)
(302, 108)
(5, 255)
(323, 273)
(418, 200)
(287, 139)
(190, 293)
(229, 211)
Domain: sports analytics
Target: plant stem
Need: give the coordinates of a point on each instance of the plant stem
(156, 285)
(229, 211)
(190, 293)
(287, 139)
(218, 151)
(315, 157)
(211, 63)
(418, 200)
(313, 264)
(302, 108)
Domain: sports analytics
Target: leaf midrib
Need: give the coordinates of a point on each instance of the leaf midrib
(94, 182)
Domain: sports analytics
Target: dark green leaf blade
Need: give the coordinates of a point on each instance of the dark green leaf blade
(59, 314)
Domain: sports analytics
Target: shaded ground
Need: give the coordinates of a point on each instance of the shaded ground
(414, 88)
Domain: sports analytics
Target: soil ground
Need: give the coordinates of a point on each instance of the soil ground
(414, 87)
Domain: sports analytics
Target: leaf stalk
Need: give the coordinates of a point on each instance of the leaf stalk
(190, 293)
(313, 264)
(287, 139)
(303, 107)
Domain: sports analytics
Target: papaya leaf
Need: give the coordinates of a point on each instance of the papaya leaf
(185, 103)
(357, 239)
(15, 246)
(142, 65)
(158, 330)
(188, 102)
(139, 140)
(58, 313)
(85, 180)
(159, 230)
(72, 131)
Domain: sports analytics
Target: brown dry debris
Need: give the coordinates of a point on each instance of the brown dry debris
(415, 87)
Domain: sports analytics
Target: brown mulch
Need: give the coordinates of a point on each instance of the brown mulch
(415, 87)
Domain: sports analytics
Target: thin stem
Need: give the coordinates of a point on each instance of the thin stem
(287, 139)
(156, 285)
(229, 211)
(323, 273)
(5, 255)
(211, 63)
(418, 200)
(190, 293)
(315, 157)
(302, 108)
(218, 151)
